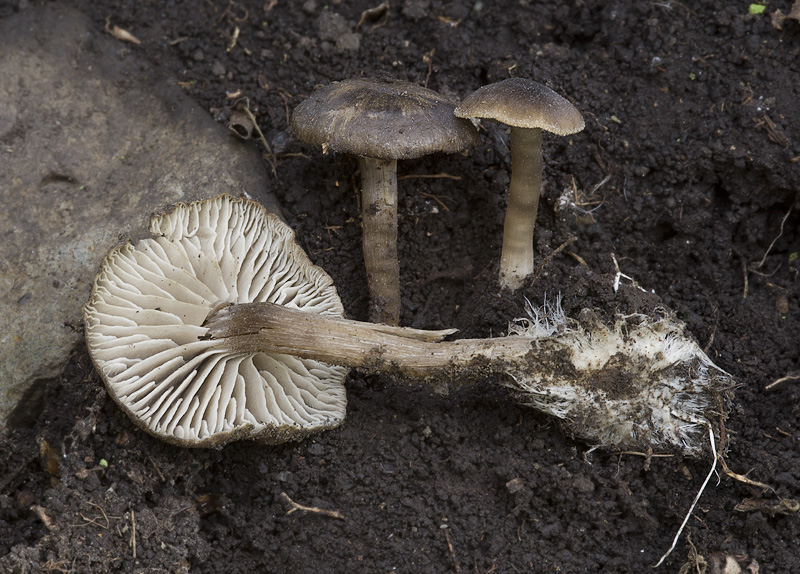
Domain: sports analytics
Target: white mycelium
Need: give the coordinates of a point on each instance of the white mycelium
(145, 333)
(641, 382)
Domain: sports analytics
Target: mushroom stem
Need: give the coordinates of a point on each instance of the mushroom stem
(267, 327)
(516, 261)
(637, 384)
(379, 215)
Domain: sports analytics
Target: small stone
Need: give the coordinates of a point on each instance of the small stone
(349, 42)
(331, 26)
(583, 485)
(38, 44)
(415, 9)
(514, 485)
(218, 69)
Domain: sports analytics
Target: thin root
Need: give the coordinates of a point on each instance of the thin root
(793, 376)
(696, 498)
(294, 506)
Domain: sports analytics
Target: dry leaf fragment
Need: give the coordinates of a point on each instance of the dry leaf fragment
(50, 457)
(241, 124)
(294, 507)
(379, 15)
(782, 506)
(777, 18)
(775, 133)
(724, 563)
(41, 512)
(120, 34)
(234, 39)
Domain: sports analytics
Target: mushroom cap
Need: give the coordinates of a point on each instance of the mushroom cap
(383, 119)
(145, 333)
(522, 103)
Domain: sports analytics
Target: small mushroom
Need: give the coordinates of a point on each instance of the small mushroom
(528, 108)
(381, 121)
(146, 335)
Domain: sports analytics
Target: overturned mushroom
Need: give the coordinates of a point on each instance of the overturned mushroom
(145, 333)
(640, 383)
(381, 121)
(528, 107)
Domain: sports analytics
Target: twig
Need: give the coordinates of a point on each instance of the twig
(619, 275)
(133, 533)
(234, 39)
(578, 258)
(95, 521)
(312, 509)
(793, 376)
(752, 269)
(245, 108)
(644, 454)
(648, 456)
(155, 466)
(786, 504)
(550, 255)
(436, 199)
(456, 565)
(780, 233)
(694, 558)
(744, 272)
(285, 96)
(714, 331)
(41, 512)
(743, 479)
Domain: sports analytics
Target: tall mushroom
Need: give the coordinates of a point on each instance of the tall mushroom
(528, 108)
(381, 121)
(145, 333)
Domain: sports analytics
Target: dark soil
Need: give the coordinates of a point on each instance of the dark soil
(687, 172)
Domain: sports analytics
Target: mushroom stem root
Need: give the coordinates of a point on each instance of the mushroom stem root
(516, 260)
(639, 383)
(379, 216)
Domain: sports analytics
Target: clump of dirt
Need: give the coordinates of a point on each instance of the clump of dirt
(686, 178)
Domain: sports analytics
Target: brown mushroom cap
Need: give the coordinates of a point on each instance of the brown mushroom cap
(522, 103)
(383, 119)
